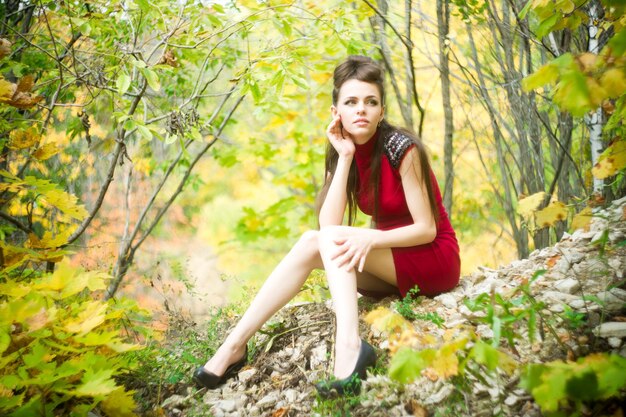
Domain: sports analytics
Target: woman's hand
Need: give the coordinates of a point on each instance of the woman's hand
(353, 246)
(339, 138)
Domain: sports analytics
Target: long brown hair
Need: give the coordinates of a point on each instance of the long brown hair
(367, 70)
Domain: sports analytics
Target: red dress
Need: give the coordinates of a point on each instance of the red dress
(434, 267)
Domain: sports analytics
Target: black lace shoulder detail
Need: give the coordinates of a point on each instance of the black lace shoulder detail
(396, 146)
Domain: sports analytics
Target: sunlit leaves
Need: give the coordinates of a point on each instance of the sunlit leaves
(65, 202)
(612, 160)
(64, 341)
(23, 138)
(19, 95)
(554, 212)
(96, 383)
(123, 83)
(527, 205)
(119, 403)
(555, 384)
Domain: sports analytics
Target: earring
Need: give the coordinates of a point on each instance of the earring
(379, 122)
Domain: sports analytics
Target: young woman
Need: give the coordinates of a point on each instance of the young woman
(384, 171)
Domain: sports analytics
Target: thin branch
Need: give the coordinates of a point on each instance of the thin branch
(105, 186)
(15, 222)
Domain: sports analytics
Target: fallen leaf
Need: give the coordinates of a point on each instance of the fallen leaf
(415, 408)
(281, 412)
(552, 261)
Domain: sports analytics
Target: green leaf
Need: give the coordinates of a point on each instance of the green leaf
(407, 364)
(524, 11)
(546, 26)
(5, 339)
(144, 132)
(571, 93)
(152, 79)
(583, 386)
(618, 43)
(486, 354)
(96, 383)
(122, 84)
(547, 74)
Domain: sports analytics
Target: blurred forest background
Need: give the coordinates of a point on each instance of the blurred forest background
(171, 151)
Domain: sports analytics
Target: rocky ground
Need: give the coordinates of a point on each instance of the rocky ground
(580, 299)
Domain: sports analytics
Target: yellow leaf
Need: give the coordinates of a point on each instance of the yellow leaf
(587, 61)
(555, 212)
(23, 138)
(65, 202)
(321, 77)
(88, 319)
(612, 160)
(582, 220)
(614, 81)
(385, 320)
(527, 206)
(7, 89)
(119, 403)
(96, 383)
(5, 47)
(46, 151)
(445, 364)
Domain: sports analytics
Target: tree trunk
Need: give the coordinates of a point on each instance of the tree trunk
(443, 21)
(595, 121)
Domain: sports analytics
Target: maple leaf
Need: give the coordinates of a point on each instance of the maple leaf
(119, 403)
(46, 151)
(527, 205)
(548, 216)
(582, 220)
(23, 138)
(96, 383)
(88, 319)
(612, 160)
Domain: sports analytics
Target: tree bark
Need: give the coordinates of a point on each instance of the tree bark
(443, 25)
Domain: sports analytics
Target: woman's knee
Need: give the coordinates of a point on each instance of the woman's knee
(327, 237)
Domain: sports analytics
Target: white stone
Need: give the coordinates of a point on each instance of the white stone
(246, 374)
(254, 411)
(615, 342)
(511, 400)
(611, 300)
(611, 329)
(225, 405)
(174, 401)
(269, 400)
(568, 285)
(557, 308)
(447, 300)
(291, 395)
(577, 304)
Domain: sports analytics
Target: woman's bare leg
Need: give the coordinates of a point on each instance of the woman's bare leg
(342, 285)
(281, 286)
(379, 275)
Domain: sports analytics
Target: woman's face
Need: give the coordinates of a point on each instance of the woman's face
(360, 108)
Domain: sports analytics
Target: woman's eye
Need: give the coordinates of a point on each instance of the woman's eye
(373, 102)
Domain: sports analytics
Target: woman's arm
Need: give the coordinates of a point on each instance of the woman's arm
(423, 230)
(334, 205)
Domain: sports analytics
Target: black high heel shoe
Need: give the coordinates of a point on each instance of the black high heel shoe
(351, 384)
(206, 379)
